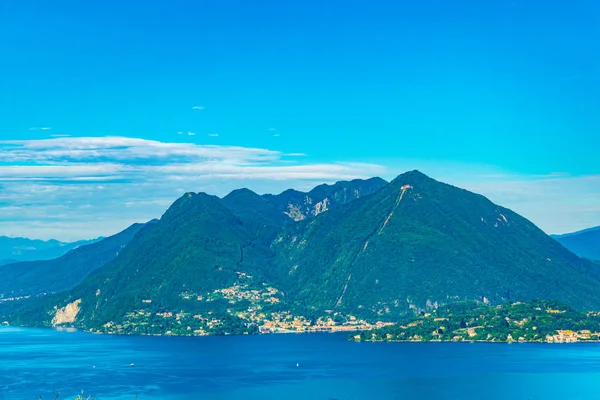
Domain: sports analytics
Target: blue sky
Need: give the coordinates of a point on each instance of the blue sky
(500, 97)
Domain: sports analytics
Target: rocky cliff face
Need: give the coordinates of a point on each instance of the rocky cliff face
(299, 206)
(66, 314)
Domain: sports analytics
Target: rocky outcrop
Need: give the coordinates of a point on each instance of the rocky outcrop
(67, 314)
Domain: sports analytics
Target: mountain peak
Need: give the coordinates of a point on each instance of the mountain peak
(200, 196)
(377, 180)
(290, 192)
(241, 193)
(192, 202)
(414, 174)
(412, 178)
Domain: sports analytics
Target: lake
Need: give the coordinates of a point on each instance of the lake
(292, 366)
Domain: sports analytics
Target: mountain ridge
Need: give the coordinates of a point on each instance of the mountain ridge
(579, 232)
(30, 278)
(23, 249)
(585, 243)
(223, 265)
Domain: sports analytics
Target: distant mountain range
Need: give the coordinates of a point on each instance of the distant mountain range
(30, 278)
(361, 249)
(22, 249)
(585, 243)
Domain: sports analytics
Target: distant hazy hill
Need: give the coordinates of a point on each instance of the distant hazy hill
(22, 249)
(584, 243)
(411, 245)
(35, 277)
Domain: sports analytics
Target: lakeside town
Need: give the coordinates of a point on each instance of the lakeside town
(247, 308)
(242, 308)
(537, 321)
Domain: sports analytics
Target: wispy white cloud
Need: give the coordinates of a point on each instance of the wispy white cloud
(180, 133)
(277, 135)
(198, 108)
(33, 128)
(272, 129)
(191, 133)
(46, 128)
(76, 187)
(213, 134)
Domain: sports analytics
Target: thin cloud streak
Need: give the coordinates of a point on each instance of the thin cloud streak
(78, 187)
(81, 187)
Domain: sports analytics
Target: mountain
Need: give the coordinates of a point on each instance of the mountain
(229, 265)
(584, 243)
(30, 278)
(22, 249)
(417, 243)
(201, 243)
(198, 246)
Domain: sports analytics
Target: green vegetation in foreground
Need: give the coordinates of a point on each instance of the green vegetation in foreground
(537, 321)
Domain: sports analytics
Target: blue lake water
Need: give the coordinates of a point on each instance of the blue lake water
(308, 366)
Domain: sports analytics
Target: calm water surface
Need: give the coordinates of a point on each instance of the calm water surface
(309, 366)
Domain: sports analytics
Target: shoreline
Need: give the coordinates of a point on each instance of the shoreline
(477, 341)
(72, 329)
(350, 339)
